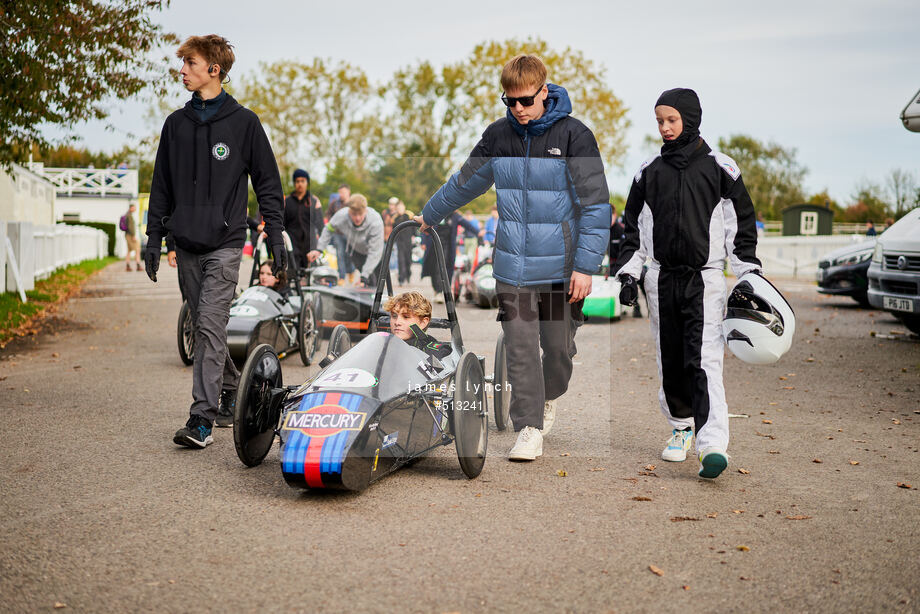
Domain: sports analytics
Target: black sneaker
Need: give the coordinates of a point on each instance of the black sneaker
(195, 434)
(225, 408)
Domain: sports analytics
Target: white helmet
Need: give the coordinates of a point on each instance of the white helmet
(759, 323)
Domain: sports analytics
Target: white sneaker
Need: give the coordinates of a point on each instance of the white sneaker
(678, 446)
(529, 445)
(549, 416)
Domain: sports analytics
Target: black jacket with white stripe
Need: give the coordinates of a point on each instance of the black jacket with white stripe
(689, 218)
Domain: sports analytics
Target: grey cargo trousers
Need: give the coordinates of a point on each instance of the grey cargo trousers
(536, 318)
(209, 285)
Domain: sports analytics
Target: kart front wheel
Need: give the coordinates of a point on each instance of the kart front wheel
(501, 389)
(469, 418)
(307, 330)
(185, 334)
(339, 341)
(257, 411)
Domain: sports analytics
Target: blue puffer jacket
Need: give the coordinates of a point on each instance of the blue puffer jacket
(553, 211)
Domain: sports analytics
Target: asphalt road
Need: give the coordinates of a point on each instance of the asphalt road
(100, 511)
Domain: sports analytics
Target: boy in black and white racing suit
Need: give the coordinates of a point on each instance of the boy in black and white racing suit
(687, 211)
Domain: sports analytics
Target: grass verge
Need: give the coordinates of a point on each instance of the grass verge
(18, 318)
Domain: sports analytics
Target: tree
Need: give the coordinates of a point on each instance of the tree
(60, 62)
(903, 191)
(442, 112)
(315, 114)
(771, 173)
(869, 205)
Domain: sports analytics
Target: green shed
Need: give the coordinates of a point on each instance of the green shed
(807, 220)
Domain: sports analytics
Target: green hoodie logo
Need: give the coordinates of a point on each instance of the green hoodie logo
(220, 151)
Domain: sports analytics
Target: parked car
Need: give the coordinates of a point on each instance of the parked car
(894, 275)
(845, 271)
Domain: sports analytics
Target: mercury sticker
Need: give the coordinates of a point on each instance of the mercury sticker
(348, 378)
(220, 151)
(324, 420)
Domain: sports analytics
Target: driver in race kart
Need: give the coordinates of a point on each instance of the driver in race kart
(410, 314)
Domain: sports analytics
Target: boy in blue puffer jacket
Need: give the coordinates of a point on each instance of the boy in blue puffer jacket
(552, 232)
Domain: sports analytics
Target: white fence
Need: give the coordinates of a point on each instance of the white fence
(31, 252)
(798, 257)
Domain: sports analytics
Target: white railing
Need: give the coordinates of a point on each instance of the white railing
(101, 182)
(798, 257)
(38, 251)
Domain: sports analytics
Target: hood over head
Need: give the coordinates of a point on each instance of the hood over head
(677, 152)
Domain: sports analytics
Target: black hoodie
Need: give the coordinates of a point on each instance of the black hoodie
(200, 180)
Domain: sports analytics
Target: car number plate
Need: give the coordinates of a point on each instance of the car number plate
(898, 304)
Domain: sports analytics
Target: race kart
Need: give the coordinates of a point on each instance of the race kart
(374, 407)
(604, 300)
(476, 283)
(287, 320)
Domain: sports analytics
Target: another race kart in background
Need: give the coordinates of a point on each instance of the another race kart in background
(845, 271)
(374, 407)
(604, 300)
(473, 281)
(287, 320)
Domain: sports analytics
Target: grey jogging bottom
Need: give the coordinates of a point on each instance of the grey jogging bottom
(536, 318)
(209, 285)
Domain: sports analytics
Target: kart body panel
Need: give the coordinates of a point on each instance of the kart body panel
(364, 416)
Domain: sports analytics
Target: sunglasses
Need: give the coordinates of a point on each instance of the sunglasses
(526, 101)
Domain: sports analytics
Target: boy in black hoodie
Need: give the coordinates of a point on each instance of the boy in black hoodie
(688, 211)
(208, 151)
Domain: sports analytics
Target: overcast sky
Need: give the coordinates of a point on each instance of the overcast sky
(827, 78)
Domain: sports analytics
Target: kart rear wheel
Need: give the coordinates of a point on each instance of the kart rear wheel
(469, 416)
(185, 334)
(500, 386)
(339, 341)
(308, 330)
(254, 419)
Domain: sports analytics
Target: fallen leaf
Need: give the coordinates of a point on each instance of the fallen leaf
(655, 570)
(596, 469)
(685, 587)
(773, 452)
(683, 518)
(565, 454)
(58, 605)
(738, 511)
(744, 471)
(743, 578)
(817, 460)
(896, 421)
(852, 462)
(904, 485)
(561, 473)
(712, 515)
(641, 498)
(651, 474)
(773, 403)
(782, 377)
(55, 355)
(743, 548)
(809, 359)
(798, 517)
(767, 421)
(788, 387)
(649, 467)
(402, 543)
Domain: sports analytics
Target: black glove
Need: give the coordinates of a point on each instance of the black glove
(152, 261)
(629, 292)
(279, 256)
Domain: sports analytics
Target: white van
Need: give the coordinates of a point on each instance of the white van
(894, 275)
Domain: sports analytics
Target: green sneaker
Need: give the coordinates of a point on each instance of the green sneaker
(713, 461)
